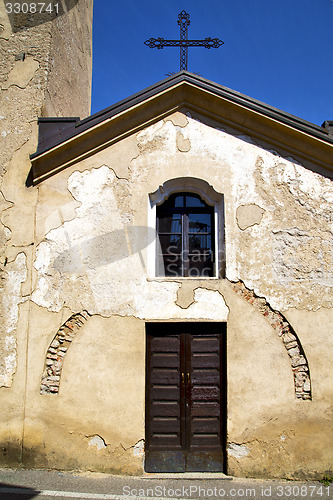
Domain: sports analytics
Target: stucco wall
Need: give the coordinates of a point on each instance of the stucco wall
(89, 258)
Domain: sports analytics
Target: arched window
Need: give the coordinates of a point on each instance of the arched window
(185, 228)
(187, 216)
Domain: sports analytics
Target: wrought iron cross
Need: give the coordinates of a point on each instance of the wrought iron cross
(184, 43)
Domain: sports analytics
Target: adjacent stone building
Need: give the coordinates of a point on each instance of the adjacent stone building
(167, 274)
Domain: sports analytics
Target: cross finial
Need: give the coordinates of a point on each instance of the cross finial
(184, 42)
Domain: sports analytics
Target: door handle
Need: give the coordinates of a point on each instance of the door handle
(188, 378)
(183, 378)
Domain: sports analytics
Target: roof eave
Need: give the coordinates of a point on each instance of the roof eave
(305, 141)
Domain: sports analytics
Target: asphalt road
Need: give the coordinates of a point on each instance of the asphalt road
(42, 484)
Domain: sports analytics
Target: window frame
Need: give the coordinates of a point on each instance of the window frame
(185, 233)
(212, 198)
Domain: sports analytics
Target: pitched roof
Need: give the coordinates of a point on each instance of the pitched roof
(64, 141)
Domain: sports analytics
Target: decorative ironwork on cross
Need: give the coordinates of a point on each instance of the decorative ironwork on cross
(184, 43)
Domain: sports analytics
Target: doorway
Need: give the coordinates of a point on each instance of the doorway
(185, 397)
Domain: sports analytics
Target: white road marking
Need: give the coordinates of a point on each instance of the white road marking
(75, 494)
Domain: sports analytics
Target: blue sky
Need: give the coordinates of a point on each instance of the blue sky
(279, 52)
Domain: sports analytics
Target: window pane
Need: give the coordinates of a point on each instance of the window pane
(170, 266)
(201, 265)
(193, 200)
(200, 223)
(174, 201)
(178, 200)
(170, 224)
(200, 243)
(171, 244)
(185, 225)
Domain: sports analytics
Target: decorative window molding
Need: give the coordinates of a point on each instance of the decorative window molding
(208, 194)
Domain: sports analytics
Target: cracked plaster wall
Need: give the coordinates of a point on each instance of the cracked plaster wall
(286, 228)
(89, 257)
(80, 262)
(14, 275)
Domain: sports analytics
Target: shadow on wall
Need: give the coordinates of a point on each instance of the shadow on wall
(23, 15)
(92, 253)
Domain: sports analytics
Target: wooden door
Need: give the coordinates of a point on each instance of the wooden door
(185, 397)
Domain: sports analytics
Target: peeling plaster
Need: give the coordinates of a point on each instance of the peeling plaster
(139, 448)
(238, 450)
(12, 278)
(208, 304)
(183, 144)
(156, 137)
(21, 213)
(4, 204)
(86, 263)
(98, 214)
(303, 256)
(294, 198)
(264, 183)
(178, 119)
(248, 215)
(97, 441)
(117, 157)
(55, 206)
(21, 73)
(5, 27)
(185, 294)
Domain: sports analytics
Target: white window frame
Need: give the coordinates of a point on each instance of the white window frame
(211, 197)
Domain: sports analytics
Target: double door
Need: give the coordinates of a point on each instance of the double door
(185, 397)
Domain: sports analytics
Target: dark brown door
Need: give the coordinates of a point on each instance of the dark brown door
(185, 397)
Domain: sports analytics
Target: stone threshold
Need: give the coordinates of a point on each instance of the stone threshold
(187, 475)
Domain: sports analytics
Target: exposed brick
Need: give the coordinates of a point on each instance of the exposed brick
(290, 345)
(57, 350)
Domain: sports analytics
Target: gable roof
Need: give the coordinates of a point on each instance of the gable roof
(64, 141)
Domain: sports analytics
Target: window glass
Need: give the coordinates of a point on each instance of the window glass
(185, 225)
(200, 243)
(170, 223)
(194, 201)
(178, 200)
(200, 223)
(170, 244)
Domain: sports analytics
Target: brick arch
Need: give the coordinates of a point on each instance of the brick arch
(289, 338)
(57, 350)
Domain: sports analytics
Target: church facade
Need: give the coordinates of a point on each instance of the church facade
(173, 308)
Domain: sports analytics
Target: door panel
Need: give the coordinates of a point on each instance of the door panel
(205, 440)
(185, 397)
(163, 377)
